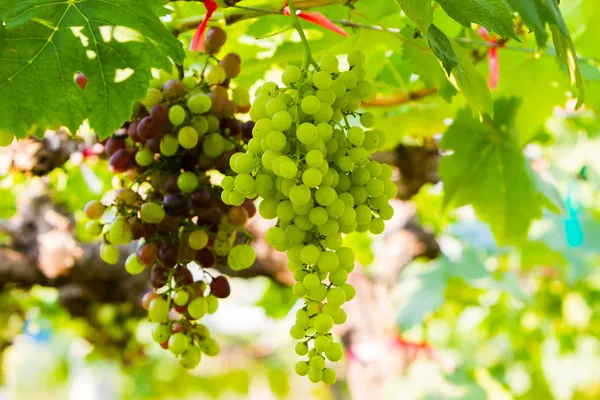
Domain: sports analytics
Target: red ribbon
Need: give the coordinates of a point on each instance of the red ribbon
(318, 19)
(197, 43)
(492, 59)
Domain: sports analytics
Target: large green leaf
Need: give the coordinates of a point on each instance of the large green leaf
(427, 66)
(495, 15)
(442, 48)
(471, 83)
(488, 170)
(419, 11)
(538, 13)
(46, 42)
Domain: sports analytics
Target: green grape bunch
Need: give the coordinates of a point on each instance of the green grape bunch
(182, 131)
(314, 173)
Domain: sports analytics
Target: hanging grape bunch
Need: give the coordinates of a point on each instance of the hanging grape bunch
(166, 201)
(314, 174)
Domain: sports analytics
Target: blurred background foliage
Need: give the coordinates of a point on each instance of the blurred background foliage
(510, 309)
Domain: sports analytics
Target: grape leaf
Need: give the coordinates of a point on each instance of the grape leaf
(471, 83)
(428, 67)
(538, 13)
(495, 15)
(442, 48)
(488, 170)
(46, 42)
(419, 11)
(277, 301)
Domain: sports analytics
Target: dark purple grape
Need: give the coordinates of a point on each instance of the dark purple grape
(159, 276)
(169, 224)
(188, 162)
(176, 204)
(122, 160)
(183, 276)
(173, 89)
(215, 39)
(160, 116)
(247, 128)
(153, 145)
(231, 126)
(147, 253)
(228, 108)
(231, 63)
(147, 128)
(216, 103)
(113, 144)
(171, 185)
(206, 258)
(167, 254)
(201, 199)
(133, 132)
(219, 287)
(250, 207)
(222, 163)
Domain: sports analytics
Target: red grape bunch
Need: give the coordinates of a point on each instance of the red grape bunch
(310, 162)
(167, 198)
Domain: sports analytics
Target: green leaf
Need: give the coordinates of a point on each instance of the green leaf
(419, 11)
(428, 67)
(429, 295)
(277, 301)
(46, 42)
(8, 203)
(442, 48)
(538, 13)
(472, 84)
(488, 170)
(495, 15)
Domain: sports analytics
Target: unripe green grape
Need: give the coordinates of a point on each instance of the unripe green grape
(275, 237)
(329, 376)
(189, 82)
(386, 213)
(367, 120)
(345, 256)
(374, 168)
(169, 145)
(345, 163)
(377, 226)
(199, 103)
(228, 183)
(291, 75)
(341, 102)
(262, 127)
(187, 137)
(191, 357)
(318, 216)
(311, 281)
(319, 293)
(339, 87)
(213, 145)
(336, 209)
(286, 98)
(360, 176)
(109, 253)
(325, 132)
(329, 63)
(338, 277)
(312, 177)
(282, 121)
(285, 211)
(257, 112)
(297, 332)
(371, 142)
(215, 74)
(295, 235)
(302, 368)
(324, 114)
(336, 296)
(356, 136)
(326, 96)
(349, 291)
(268, 208)
(359, 155)
(93, 228)
(349, 79)
(241, 257)
(178, 343)
(144, 157)
(325, 195)
(356, 58)
(346, 229)
(177, 115)
(335, 352)
(310, 254)
(331, 227)
(212, 303)
(347, 199)
(210, 347)
(197, 308)
(153, 97)
(322, 343)
(269, 87)
(236, 198)
(375, 188)
(323, 322)
(340, 318)
(181, 298)
(300, 195)
(317, 363)
(322, 80)
(133, 266)
(160, 333)
(307, 133)
(301, 348)
(299, 289)
(363, 90)
(315, 376)
(158, 310)
(310, 104)
(275, 141)
(359, 193)
(390, 189)
(152, 213)
(363, 214)
(244, 183)
(263, 184)
(119, 232)
(328, 261)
